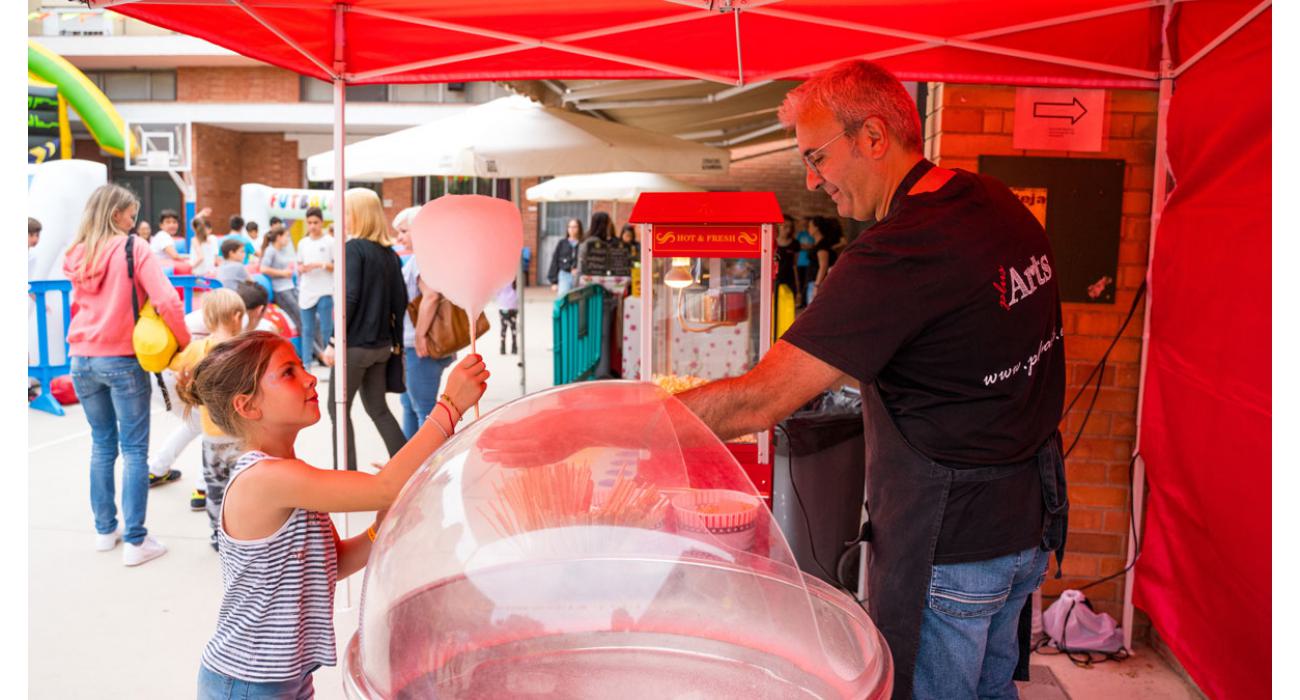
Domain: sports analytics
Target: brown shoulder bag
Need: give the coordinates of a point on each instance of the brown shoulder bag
(449, 332)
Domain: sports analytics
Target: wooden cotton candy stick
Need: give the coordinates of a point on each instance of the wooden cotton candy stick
(473, 343)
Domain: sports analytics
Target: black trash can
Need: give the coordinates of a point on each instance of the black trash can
(818, 470)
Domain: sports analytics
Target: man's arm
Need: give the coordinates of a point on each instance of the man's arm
(785, 379)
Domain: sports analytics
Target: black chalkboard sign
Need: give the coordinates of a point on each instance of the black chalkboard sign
(1080, 202)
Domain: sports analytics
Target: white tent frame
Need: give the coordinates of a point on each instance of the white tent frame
(340, 77)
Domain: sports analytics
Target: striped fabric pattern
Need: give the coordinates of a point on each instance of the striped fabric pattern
(277, 612)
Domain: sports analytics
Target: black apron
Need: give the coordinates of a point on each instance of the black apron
(906, 493)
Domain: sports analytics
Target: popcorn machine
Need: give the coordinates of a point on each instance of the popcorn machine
(705, 296)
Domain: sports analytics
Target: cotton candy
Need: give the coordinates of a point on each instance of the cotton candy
(468, 247)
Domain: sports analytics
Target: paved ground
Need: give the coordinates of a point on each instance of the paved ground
(100, 630)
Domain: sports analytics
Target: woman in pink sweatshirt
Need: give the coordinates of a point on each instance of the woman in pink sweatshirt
(111, 385)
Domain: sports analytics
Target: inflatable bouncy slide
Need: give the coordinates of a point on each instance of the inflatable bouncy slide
(58, 187)
(54, 85)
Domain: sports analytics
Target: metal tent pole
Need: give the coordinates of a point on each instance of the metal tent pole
(340, 272)
(1158, 194)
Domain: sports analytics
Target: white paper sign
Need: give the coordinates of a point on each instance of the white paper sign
(1053, 119)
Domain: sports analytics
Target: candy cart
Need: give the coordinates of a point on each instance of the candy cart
(703, 309)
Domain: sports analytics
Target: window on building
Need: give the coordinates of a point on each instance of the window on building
(136, 86)
(313, 90)
(425, 189)
(420, 92)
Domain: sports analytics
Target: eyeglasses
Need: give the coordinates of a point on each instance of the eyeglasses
(811, 158)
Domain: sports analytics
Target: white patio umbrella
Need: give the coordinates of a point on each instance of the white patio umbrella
(516, 137)
(617, 186)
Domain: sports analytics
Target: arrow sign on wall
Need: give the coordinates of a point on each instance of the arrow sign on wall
(1072, 110)
(1059, 119)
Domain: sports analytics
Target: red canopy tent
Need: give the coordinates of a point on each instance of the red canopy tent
(1205, 398)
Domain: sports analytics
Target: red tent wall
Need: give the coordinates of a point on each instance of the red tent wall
(1205, 571)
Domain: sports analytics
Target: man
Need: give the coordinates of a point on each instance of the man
(946, 312)
(315, 285)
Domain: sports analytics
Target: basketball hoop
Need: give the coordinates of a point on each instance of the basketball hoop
(158, 146)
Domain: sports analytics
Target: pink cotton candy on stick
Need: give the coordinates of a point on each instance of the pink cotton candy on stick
(468, 248)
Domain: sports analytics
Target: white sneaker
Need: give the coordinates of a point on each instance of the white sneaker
(104, 543)
(137, 554)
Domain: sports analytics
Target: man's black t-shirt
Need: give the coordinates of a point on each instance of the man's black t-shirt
(950, 305)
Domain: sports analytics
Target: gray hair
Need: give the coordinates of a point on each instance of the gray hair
(852, 91)
(405, 216)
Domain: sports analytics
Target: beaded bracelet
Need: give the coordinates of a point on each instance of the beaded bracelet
(452, 405)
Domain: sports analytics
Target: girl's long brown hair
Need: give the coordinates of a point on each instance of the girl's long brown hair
(232, 368)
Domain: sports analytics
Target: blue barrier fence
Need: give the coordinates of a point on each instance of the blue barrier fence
(45, 371)
(579, 329)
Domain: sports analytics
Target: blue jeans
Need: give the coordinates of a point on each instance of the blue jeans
(114, 393)
(968, 630)
(320, 316)
(423, 381)
(218, 686)
(565, 283)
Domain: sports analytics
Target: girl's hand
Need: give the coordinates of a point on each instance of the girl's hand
(467, 382)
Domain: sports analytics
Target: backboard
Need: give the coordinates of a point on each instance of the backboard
(158, 146)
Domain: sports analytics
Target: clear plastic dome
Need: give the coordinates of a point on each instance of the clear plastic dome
(594, 541)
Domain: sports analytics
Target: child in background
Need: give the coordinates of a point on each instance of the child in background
(280, 554)
(33, 237)
(278, 262)
(253, 296)
(315, 285)
(204, 249)
(231, 270)
(223, 313)
(508, 300)
(163, 243)
(254, 236)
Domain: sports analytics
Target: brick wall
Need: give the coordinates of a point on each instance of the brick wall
(257, 84)
(530, 212)
(216, 172)
(781, 172)
(398, 193)
(967, 121)
(225, 159)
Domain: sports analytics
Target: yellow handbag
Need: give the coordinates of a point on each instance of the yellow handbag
(154, 343)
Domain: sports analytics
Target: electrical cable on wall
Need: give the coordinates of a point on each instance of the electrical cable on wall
(1085, 659)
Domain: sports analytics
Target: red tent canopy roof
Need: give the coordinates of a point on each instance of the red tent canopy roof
(706, 208)
(1096, 43)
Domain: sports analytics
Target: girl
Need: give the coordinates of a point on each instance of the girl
(203, 249)
(113, 388)
(280, 555)
(564, 260)
(278, 260)
(223, 313)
